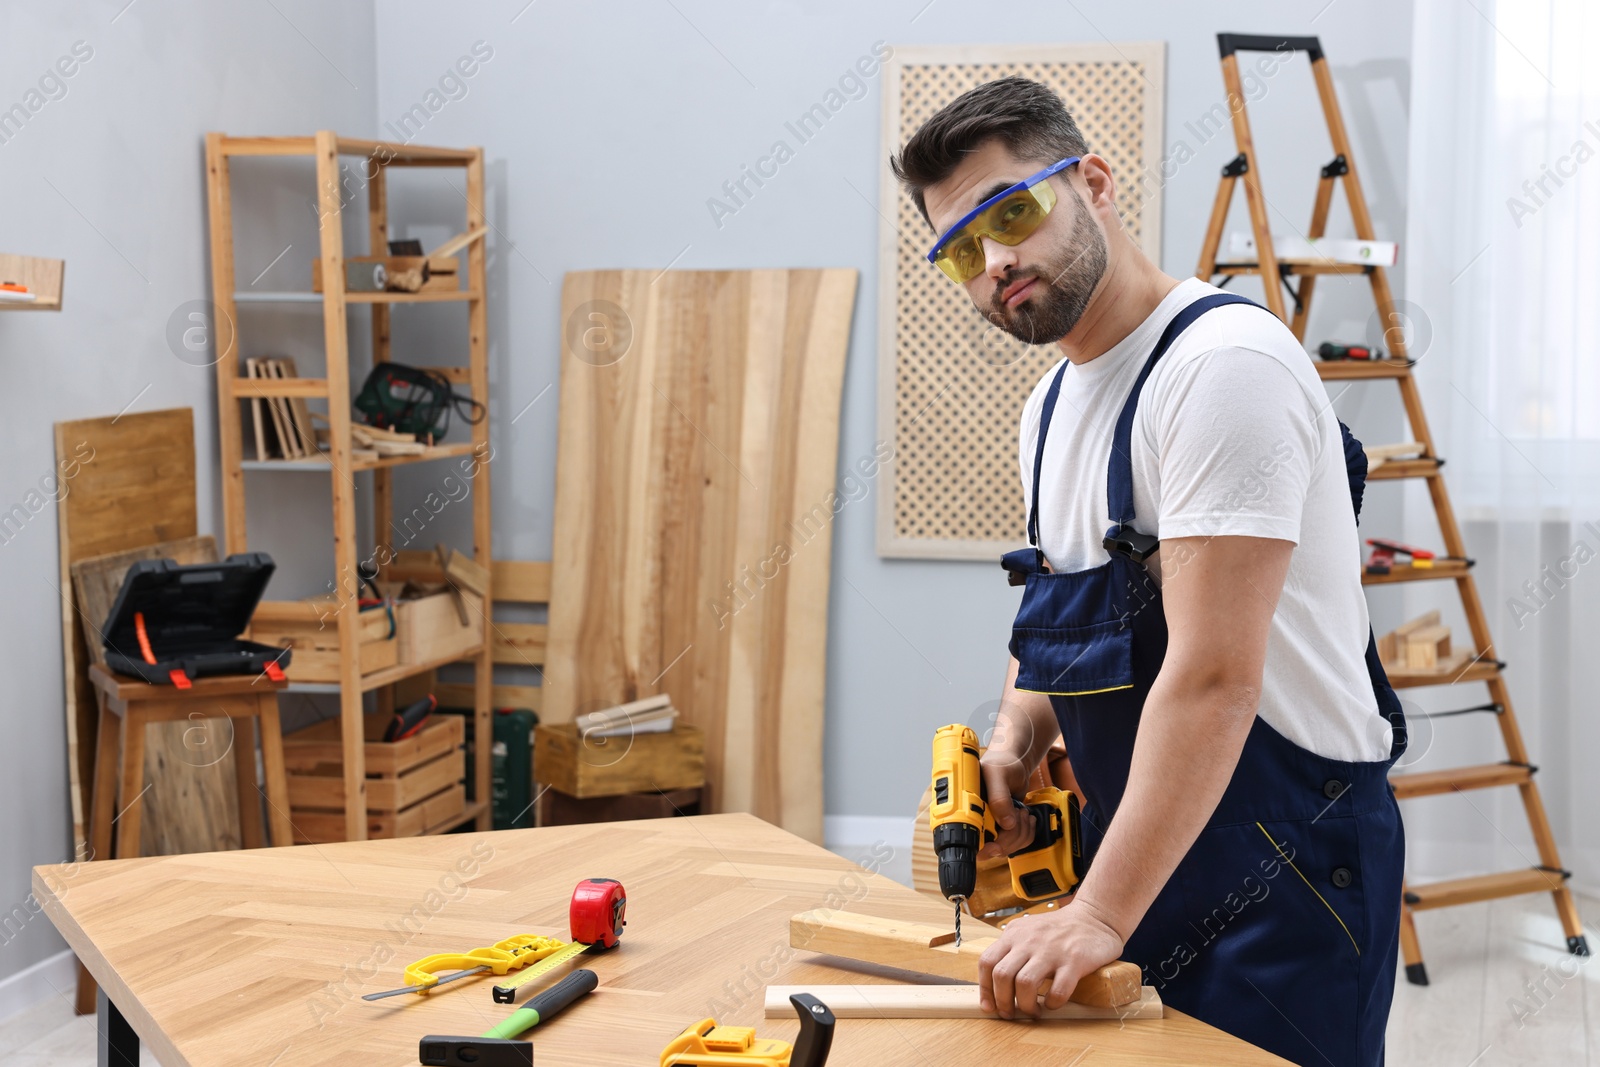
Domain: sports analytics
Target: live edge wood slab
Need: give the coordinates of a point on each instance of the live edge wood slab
(258, 957)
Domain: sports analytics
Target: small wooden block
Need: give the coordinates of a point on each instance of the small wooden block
(1427, 648)
(938, 1002)
(931, 949)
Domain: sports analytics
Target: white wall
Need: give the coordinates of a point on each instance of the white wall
(111, 178)
(609, 126)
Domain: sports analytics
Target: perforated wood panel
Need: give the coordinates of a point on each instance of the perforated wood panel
(951, 386)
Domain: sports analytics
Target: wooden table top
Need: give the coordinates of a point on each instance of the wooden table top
(260, 957)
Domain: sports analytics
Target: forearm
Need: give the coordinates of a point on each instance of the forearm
(1025, 726)
(1191, 732)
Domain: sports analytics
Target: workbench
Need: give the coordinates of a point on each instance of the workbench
(260, 957)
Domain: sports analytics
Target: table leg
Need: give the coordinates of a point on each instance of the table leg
(102, 809)
(132, 793)
(118, 1045)
(244, 769)
(277, 780)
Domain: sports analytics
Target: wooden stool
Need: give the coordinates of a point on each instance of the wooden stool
(119, 751)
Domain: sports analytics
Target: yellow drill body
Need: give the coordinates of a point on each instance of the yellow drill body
(963, 822)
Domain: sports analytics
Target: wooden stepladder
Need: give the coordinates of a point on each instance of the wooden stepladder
(1481, 665)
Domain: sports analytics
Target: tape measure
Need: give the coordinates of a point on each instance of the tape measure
(595, 919)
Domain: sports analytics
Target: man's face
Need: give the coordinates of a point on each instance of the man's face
(1037, 290)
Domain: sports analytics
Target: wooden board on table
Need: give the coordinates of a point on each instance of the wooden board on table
(128, 481)
(938, 1002)
(930, 948)
(310, 930)
(699, 430)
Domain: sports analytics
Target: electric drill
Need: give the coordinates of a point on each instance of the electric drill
(963, 823)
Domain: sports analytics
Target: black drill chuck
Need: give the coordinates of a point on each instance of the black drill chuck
(956, 845)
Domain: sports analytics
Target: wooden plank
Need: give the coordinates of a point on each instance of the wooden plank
(706, 457)
(890, 1001)
(287, 940)
(521, 581)
(520, 644)
(127, 481)
(931, 949)
(459, 695)
(1427, 647)
(609, 766)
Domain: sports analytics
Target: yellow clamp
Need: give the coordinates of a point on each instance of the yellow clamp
(501, 957)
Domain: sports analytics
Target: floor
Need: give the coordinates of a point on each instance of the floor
(1503, 992)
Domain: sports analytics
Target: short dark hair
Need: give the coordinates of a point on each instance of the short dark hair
(1029, 118)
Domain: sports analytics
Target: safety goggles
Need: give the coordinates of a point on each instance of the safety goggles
(1009, 217)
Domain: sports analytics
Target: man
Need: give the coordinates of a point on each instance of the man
(1209, 660)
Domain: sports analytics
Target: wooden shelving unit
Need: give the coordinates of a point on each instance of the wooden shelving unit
(325, 148)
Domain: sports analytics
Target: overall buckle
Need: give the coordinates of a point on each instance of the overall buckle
(1020, 563)
(1130, 542)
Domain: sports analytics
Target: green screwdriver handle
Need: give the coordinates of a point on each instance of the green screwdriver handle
(545, 1004)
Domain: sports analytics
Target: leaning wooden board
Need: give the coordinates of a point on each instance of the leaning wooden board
(128, 481)
(695, 498)
(261, 955)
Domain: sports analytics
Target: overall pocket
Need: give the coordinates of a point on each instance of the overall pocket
(1074, 660)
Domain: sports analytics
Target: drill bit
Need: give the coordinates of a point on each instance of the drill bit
(958, 920)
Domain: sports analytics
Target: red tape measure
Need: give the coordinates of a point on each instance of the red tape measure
(595, 918)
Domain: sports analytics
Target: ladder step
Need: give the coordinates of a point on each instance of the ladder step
(1432, 783)
(1344, 369)
(1426, 467)
(1407, 572)
(1484, 887)
(1482, 670)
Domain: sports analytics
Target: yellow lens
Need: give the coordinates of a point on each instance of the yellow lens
(1011, 221)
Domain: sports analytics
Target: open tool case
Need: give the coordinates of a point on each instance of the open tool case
(172, 623)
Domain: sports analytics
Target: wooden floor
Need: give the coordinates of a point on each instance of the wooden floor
(1479, 956)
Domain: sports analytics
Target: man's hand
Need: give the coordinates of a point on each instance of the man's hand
(1005, 776)
(1045, 953)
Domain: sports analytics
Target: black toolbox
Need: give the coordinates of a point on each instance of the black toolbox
(172, 623)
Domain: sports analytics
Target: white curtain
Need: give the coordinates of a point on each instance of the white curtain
(1501, 264)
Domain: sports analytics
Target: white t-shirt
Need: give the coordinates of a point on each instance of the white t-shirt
(1233, 435)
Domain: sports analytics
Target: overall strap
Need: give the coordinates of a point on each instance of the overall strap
(1050, 397)
(1119, 473)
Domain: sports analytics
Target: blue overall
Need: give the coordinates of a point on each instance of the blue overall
(1281, 924)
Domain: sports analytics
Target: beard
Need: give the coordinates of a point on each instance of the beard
(1061, 295)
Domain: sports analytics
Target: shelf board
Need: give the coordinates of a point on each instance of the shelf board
(400, 672)
(472, 810)
(431, 296)
(1406, 572)
(1343, 369)
(461, 448)
(389, 152)
(41, 276)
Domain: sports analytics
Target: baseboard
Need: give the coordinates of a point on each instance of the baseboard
(864, 831)
(52, 976)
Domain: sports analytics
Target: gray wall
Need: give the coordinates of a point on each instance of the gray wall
(607, 128)
(611, 125)
(111, 178)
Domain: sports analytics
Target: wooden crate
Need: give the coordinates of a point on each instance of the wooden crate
(308, 627)
(430, 630)
(611, 766)
(412, 785)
